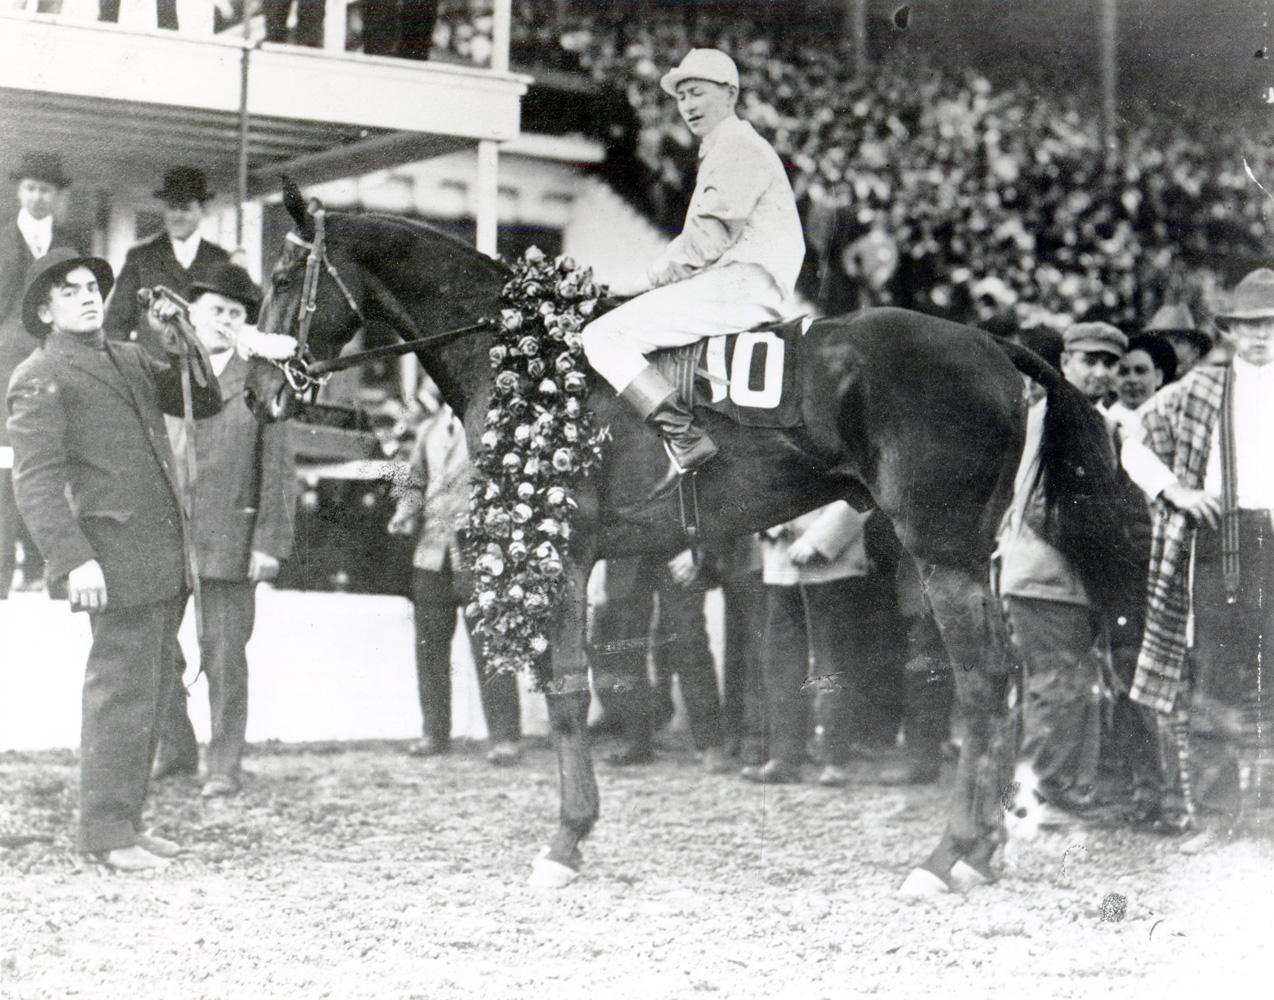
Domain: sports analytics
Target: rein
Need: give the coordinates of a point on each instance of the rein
(308, 377)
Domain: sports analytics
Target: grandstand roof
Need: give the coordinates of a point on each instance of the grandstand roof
(120, 103)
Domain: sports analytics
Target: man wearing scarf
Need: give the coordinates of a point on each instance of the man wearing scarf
(1203, 459)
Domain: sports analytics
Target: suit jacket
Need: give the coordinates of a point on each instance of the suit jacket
(151, 262)
(441, 473)
(15, 259)
(93, 472)
(246, 483)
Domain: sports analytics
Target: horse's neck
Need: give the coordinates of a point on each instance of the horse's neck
(467, 295)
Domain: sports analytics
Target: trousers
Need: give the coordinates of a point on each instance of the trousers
(620, 646)
(127, 682)
(229, 611)
(1232, 642)
(435, 601)
(716, 301)
(1061, 710)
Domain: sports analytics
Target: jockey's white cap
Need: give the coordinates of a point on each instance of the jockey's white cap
(702, 64)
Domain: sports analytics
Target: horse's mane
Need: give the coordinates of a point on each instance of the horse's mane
(417, 227)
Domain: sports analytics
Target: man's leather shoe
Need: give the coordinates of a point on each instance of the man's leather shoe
(161, 847)
(219, 786)
(173, 769)
(504, 753)
(773, 772)
(130, 859)
(716, 760)
(428, 747)
(833, 776)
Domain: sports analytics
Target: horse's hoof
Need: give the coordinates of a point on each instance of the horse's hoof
(922, 882)
(964, 877)
(549, 874)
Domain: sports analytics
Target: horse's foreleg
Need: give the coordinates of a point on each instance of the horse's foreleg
(568, 699)
(973, 631)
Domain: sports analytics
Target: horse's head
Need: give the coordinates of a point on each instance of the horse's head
(309, 313)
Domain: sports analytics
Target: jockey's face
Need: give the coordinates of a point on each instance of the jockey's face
(74, 304)
(1091, 372)
(1253, 339)
(704, 105)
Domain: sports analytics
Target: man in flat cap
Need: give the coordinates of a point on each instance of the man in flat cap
(1203, 459)
(1056, 626)
(40, 181)
(95, 479)
(241, 529)
(167, 258)
(1177, 325)
(736, 260)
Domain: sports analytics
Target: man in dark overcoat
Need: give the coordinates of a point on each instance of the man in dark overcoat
(167, 258)
(95, 479)
(241, 528)
(32, 234)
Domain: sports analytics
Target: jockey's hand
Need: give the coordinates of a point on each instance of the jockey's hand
(86, 586)
(262, 568)
(1199, 504)
(404, 520)
(684, 568)
(802, 552)
(163, 313)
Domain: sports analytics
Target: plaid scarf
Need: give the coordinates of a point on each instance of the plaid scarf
(1178, 424)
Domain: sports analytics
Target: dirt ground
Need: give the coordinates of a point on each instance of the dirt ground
(352, 871)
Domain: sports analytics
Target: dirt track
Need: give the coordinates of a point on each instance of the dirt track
(355, 872)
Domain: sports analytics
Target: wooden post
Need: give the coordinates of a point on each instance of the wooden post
(854, 26)
(1109, 51)
(501, 32)
(488, 196)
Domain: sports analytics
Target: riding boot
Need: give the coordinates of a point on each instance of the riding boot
(688, 446)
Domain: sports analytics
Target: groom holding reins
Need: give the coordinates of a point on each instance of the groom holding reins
(737, 258)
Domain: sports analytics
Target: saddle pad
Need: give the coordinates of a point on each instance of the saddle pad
(751, 376)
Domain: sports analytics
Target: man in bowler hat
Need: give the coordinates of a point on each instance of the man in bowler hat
(241, 529)
(166, 258)
(40, 180)
(96, 481)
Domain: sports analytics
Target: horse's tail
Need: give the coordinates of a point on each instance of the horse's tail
(1087, 495)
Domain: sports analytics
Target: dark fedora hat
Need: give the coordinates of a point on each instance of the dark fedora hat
(229, 280)
(1252, 299)
(45, 167)
(182, 185)
(53, 267)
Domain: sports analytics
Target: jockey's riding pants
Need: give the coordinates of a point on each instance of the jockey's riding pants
(718, 301)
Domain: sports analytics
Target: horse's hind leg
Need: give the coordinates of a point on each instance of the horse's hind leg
(973, 631)
(567, 699)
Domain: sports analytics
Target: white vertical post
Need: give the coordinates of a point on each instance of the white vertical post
(488, 196)
(334, 25)
(501, 32)
(250, 223)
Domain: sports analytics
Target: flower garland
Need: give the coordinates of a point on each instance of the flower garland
(539, 441)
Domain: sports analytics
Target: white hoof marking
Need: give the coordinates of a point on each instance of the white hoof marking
(549, 874)
(922, 882)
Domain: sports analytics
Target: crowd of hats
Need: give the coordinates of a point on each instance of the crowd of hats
(997, 194)
(537, 443)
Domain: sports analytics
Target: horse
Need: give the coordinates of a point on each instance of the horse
(918, 417)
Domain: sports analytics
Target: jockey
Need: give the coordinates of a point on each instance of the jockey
(736, 259)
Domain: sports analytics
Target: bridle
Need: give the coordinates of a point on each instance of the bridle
(303, 374)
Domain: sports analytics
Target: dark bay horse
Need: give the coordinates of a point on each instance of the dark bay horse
(919, 417)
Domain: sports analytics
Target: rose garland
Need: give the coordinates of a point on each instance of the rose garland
(539, 441)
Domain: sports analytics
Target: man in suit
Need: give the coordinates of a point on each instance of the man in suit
(96, 481)
(241, 528)
(29, 237)
(166, 258)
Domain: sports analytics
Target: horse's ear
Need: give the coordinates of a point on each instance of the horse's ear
(294, 202)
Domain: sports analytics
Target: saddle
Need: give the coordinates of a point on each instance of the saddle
(749, 377)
